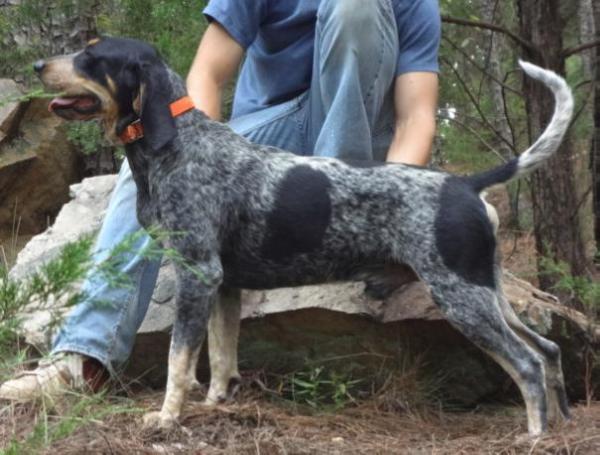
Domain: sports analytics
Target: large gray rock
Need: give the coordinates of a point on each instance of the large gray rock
(283, 330)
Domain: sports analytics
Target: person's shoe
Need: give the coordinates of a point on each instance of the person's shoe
(55, 376)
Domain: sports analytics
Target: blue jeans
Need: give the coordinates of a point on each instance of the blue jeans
(346, 113)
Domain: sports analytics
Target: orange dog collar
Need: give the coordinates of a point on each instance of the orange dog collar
(134, 131)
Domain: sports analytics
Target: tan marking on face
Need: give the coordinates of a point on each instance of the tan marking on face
(137, 102)
(112, 86)
(60, 75)
(109, 112)
(93, 41)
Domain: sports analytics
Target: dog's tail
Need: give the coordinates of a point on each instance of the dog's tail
(547, 143)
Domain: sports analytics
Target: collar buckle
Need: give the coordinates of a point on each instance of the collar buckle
(135, 131)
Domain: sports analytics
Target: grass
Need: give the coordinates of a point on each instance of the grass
(49, 423)
(254, 424)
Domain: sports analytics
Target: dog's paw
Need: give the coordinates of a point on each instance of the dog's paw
(194, 384)
(159, 420)
(527, 439)
(217, 395)
(212, 400)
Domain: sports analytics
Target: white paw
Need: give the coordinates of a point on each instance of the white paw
(528, 439)
(194, 384)
(159, 420)
(221, 392)
(213, 399)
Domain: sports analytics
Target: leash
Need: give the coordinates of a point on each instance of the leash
(134, 131)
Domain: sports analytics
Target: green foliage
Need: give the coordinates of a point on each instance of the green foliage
(57, 279)
(81, 411)
(581, 289)
(9, 321)
(463, 151)
(89, 137)
(320, 388)
(465, 90)
(32, 94)
(15, 59)
(584, 126)
(54, 280)
(173, 27)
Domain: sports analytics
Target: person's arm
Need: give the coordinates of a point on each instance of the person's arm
(415, 103)
(217, 59)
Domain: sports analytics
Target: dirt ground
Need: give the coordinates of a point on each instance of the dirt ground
(256, 424)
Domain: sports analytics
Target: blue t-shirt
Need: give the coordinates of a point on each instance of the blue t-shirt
(278, 36)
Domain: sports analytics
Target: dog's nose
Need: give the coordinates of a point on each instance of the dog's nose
(38, 66)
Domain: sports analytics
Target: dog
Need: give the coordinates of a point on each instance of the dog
(255, 217)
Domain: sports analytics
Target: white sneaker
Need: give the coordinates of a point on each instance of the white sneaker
(57, 375)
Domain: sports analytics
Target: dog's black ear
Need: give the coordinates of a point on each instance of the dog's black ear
(155, 115)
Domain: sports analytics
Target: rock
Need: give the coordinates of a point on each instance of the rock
(285, 330)
(36, 168)
(10, 112)
(82, 215)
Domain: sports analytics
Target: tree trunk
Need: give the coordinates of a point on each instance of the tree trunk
(499, 116)
(584, 171)
(595, 152)
(553, 190)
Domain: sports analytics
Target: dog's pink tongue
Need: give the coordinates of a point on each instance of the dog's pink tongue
(61, 103)
(81, 102)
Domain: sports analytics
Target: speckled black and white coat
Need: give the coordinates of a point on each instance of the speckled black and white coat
(255, 217)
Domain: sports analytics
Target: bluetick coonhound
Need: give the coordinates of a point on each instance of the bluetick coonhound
(256, 217)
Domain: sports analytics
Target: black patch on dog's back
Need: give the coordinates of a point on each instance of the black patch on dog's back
(464, 235)
(301, 214)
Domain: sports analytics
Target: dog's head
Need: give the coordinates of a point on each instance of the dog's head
(117, 80)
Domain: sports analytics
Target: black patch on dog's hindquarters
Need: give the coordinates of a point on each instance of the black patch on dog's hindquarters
(464, 235)
(301, 214)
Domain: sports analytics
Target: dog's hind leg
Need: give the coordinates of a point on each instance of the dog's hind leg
(558, 404)
(475, 312)
(193, 383)
(197, 287)
(223, 332)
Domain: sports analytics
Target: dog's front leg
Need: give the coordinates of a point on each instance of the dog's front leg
(195, 299)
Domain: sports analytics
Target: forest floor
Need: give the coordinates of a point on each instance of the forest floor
(256, 424)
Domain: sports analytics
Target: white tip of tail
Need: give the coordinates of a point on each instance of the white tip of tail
(550, 140)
